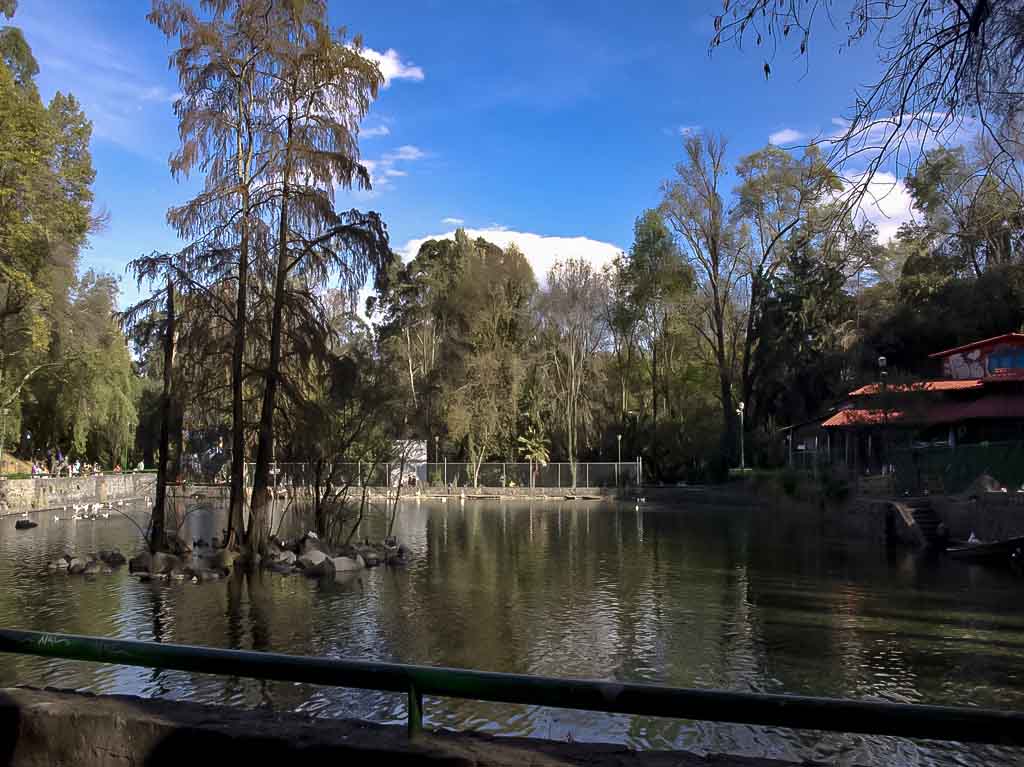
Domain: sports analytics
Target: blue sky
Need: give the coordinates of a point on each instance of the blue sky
(556, 120)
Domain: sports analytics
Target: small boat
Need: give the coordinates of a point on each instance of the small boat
(993, 552)
(25, 524)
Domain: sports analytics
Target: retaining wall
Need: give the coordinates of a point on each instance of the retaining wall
(21, 495)
(41, 728)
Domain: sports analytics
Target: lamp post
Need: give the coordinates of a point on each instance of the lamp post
(882, 375)
(618, 464)
(743, 454)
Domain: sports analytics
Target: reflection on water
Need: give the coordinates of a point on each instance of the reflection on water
(703, 596)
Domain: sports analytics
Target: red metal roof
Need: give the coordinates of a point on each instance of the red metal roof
(859, 417)
(989, 406)
(953, 385)
(1014, 337)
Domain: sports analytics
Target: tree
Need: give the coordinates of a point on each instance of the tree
(945, 64)
(694, 208)
(322, 89)
(777, 193)
(222, 64)
(575, 332)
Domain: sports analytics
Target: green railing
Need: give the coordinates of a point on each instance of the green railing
(966, 725)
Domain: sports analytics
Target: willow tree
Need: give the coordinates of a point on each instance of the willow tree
(322, 89)
(222, 64)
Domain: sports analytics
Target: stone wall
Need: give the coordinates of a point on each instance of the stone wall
(41, 728)
(20, 495)
(990, 516)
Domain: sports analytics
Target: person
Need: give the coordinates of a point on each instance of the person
(76, 468)
(117, 468)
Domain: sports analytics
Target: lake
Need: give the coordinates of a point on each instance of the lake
(697, 594)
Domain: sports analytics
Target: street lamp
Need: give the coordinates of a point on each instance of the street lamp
(618, 465)
(743, 456)
(882, 374)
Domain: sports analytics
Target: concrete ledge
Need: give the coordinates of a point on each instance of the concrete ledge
(39, 728)
(37, 494)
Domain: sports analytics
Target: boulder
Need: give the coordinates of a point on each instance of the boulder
(316, 564)
(225, 559)
(347, 564)
(164, 563)
(58, 564)
(280, 568)
(94, 567)
(286, 558)
(77, 566)
(112, 558)
(309, 543)
(176, 546)
(141, 563)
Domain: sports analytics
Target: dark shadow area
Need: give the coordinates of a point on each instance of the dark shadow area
(10, 728)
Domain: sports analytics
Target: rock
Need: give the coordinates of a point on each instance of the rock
(280, 568)
(371, 559)
(404, 552)
(176, 546)
(77, 566)
(311, 558)
(58, 564)
(308, 544)
(347, 564)
(94, 567)
(112, 558)
(25, 524)
(141, 563)
(316, 564)
(286, 558)
(164, 563)
(225, 559)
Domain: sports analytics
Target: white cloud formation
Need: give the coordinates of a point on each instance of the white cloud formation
(377, 130)
(786, 136)
(392, 67)
(452, 221)
(382, 169)
(541, 251)
(887, 204)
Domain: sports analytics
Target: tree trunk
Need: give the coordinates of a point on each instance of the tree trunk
(157, 524)
(257, 533)
(236, 502)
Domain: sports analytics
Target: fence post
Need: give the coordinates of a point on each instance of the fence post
(415, 711)
(359, 471)
(587, 474)
(559, 474)
(446, 471)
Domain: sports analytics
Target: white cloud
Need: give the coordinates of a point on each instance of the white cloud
(452, 221)
(392, 67)
(887, 204)
(377, 130)
(785, 136)
(542, 251)
(382, 169)
(405, 152)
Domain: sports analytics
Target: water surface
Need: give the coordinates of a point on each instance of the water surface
(697, 594)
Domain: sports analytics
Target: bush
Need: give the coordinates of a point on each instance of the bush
(790, 482)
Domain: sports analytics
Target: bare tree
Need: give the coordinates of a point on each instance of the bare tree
(947, 66)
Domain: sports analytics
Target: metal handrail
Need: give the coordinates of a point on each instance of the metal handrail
(946, 723)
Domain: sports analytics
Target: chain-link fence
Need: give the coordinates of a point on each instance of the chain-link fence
(953, 469)
(446, 474)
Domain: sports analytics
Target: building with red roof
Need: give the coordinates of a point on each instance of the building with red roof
(976, 398)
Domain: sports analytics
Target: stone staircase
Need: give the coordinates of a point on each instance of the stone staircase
(920, 519)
